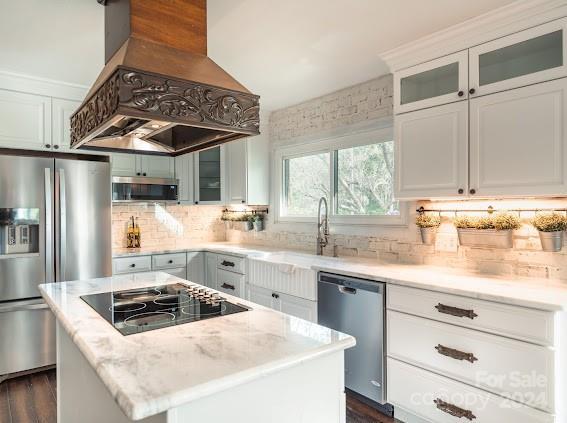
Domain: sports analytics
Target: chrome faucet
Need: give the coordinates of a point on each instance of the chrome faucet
(322, 227)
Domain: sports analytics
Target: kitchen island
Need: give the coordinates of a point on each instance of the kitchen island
(252, 366)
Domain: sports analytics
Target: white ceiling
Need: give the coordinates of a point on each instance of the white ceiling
(61, 40)
(286, 51)
(293, 50)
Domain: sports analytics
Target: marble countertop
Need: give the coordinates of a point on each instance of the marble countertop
(543, 294)
(151, 372)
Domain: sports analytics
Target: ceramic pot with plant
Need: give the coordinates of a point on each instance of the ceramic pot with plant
(550, 227)
(428, 226)
(493, 231)
(258, 222)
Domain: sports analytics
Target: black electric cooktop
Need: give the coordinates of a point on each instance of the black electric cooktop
(144, 309)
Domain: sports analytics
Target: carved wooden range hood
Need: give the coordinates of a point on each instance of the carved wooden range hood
(159, 92)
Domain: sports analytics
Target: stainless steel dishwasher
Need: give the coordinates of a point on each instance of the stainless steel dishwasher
(357, 307)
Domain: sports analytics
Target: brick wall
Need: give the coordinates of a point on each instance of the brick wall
(171, 226)
(349, 108)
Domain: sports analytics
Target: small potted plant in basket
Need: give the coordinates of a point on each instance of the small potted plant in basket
(491, 231)
(427, 225)
(550, 227)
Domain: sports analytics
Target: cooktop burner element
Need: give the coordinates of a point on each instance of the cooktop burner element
(143, 309)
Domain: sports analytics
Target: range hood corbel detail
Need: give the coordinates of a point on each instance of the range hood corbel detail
(162, 97)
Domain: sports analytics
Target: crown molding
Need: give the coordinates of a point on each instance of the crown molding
(515, 17)
(42, 86)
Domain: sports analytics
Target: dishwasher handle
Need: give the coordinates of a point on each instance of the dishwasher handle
(351, 283)
(346, 290)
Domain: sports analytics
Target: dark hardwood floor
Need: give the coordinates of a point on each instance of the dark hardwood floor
(33, 399)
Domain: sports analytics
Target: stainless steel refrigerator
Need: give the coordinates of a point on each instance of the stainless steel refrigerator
(55, 225)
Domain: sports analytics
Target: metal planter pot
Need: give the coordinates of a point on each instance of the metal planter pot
(258, 225)
(488, 238)
(551, 241)
(428, 235)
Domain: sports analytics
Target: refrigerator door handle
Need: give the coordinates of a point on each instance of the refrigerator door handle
(48, 227)
(63, 226)
(23, 306)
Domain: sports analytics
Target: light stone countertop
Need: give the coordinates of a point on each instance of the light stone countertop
(145, 372)
(543, 294)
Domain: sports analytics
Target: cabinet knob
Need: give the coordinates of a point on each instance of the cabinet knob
(461, 93)
(472, 191)
(196, 202)
(460, 191)
(133, 265)
(243, 201)
(138, 174)
(170, 261)
(472, 91)
(144, 174)
(274, 295)
(47, 145)
(56, 147)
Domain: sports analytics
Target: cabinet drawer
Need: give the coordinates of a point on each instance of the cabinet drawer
(231, 263)
(230, 283)
(169, 261)
(517, 322)
(124, 265)
(487, 361)
(417, 391)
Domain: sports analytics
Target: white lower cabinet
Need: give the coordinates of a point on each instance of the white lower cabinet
(453, 358)
(518, 141)
(196, 267)
(230, 283)
(211, 270)
(442, 400)
(288, 304)
(135, 264)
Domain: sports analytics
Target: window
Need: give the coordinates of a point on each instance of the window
(355, 173)
(306, 179)
(364, 180)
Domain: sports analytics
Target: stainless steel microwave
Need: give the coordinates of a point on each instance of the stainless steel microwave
(142, 189)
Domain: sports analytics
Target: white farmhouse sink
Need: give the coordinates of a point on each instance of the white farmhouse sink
(285, 272)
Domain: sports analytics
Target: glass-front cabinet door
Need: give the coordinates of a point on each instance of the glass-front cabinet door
(433, 83)
(527, 57)
(209, 176)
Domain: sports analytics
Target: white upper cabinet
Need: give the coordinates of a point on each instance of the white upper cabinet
(431, 152)
(184, 173)
(210, 176)
(248, 172)
(25, 121)
(123, 164)
(439, 81)
(236, 171)
(535, 55)
(518, 141)
(62, 111)
(156, 166)
(126, 164)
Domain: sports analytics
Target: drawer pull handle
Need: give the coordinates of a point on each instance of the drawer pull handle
(456, 354)
(453, 410)
(133, 265)
(228, 286)
(227, 263)
(455, 311)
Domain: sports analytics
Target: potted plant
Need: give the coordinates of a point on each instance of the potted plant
(550, 227)
(427, 225)
(258, 222)
(491, 231)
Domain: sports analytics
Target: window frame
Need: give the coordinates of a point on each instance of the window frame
(330, 146)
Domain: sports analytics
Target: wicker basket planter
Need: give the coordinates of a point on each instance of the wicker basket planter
(488, 238)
